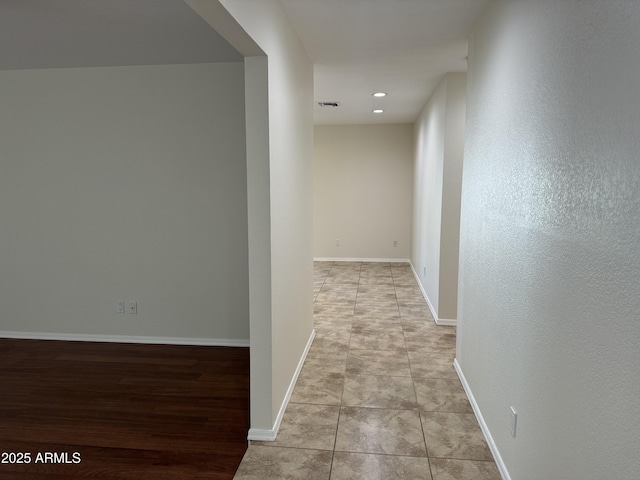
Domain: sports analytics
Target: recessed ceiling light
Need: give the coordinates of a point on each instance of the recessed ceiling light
(378, 110)
(379, 94)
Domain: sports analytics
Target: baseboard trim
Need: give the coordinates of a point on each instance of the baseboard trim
(269, 435)
(483, 425)
(444, 322)
(372, 260)
(261, 435)
(72, 337)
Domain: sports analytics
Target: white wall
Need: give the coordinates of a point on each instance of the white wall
(362, 191)
(437, 180)
(124, 183)
(278, 337)
(550, 238)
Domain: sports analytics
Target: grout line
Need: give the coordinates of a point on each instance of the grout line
(332, 324)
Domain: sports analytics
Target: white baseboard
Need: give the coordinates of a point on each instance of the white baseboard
(445, 322)
(483, 425)
(72, 337)
(261, 435)
(269, 435)
(372, 260)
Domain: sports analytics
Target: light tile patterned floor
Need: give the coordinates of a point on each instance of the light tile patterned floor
(378, 397)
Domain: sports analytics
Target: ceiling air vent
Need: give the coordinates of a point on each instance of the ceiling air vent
(328, 104)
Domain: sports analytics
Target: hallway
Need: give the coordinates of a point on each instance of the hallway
(378, 397)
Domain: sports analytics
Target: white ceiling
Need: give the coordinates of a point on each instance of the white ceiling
(401, 47)
(96, 33)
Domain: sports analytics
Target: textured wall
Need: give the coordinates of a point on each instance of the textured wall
(437, 181)
(550, 273)
(362, 190)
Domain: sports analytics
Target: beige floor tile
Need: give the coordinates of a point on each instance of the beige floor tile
(432, 365)
(347, 264)
(454, 435)
(308, 426)
(381, 297)
(448, 469)
(374, 291)
(341, 289)
(328, 309)
(376, 300)
(375, 264)
(361, 466)
(376, 339)
(364, 322)
(327, 321)
(336, 334)
(337, 330)
(376, 279)
(377, 325)
(415, 310)
(346, 278)
(318, 388)
(378, 362)
(277, 463)
(377, 307)
(409, 294)
(376, 310)
(324, 342)
(368, 266)
(322, 263)
(378, 430)
(403, 278)
(443, 342)
(320, 351)
(338, 269)
(330, 361)
(377, 383)
(346, 299)
(441, 395)
(376, 270)
(422, 325)
(390, 316)
(379, 392)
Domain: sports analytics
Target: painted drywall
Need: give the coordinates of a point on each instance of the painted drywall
(362, 182)
(124, 183)
(256, 70)
(437, 183)
(277, 351)
(550, 236)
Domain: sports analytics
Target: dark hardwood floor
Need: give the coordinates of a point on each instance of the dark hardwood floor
(130, 411)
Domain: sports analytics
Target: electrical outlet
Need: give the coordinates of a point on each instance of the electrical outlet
(514, 421)
(395, 243)
(133, 307)
(337, 242)
(120, 306)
